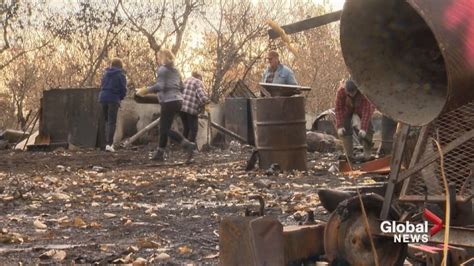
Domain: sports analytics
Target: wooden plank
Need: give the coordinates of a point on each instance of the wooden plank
(307, 24)
(129, 141)
(227, 132)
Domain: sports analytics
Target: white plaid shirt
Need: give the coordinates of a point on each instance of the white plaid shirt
(194, 96)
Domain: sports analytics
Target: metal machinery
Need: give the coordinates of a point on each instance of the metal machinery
(411, 59)
(414, 59)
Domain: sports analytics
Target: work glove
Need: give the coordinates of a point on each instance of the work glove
(341, 131)
(142, 92)
(362, 134)
(206, 108)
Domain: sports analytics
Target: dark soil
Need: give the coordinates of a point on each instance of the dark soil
(100, 207)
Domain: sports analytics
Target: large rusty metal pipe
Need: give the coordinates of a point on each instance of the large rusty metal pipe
(413, 59)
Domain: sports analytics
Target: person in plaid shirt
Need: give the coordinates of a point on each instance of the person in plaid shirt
(194, 100)
(351, 105)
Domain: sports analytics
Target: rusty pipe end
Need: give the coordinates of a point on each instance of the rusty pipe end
(395, 58)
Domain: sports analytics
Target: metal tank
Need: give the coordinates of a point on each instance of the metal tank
(413, 59)
(280, 132)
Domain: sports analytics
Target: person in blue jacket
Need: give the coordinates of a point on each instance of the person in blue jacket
(113, 89)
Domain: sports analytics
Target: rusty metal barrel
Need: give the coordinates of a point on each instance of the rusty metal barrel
(414, 59)
(280, 132)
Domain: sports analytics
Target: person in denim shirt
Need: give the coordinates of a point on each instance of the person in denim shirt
(276, 72)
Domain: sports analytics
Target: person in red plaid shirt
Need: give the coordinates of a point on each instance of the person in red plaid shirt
(194, 100)
(350, 103)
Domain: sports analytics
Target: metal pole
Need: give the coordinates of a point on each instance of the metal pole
(31, 130)
(132, 139)
(395, 165)
(227, 132)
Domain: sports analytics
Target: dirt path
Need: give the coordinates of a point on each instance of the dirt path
(99, 207)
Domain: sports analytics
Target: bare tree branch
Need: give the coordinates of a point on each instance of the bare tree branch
(8, 11)
(109, 38)
(149, 35)
(179, 20)
(180, 23)
(18, 55)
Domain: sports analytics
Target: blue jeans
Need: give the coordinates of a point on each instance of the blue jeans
(190, 126)
(168, 111)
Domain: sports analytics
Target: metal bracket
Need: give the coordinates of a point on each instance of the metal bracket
(395, 166)
(262, 206)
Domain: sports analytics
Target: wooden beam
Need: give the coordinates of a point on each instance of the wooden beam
(307, 24)
(129, 141)
(227, 132)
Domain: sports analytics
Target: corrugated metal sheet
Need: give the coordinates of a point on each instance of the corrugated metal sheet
(72, 115)
(238, 118)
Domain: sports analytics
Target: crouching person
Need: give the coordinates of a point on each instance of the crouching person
(351, 105)
(168, 87)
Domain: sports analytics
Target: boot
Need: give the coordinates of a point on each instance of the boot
(158, 155)
(367, 151)
(188, 145)
(189, 148)
(367, 145)
(348, 146)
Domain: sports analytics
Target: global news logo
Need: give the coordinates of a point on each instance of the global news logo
(408, 232)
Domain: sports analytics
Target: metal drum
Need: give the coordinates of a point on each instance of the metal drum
(414, 59)
(280, 131)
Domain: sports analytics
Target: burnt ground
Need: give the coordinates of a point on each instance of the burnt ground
(90, 206)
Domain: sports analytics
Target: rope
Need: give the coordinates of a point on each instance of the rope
(367, 229)
(447, 215)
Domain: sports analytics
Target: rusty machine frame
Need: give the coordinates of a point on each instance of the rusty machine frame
(411, 61)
